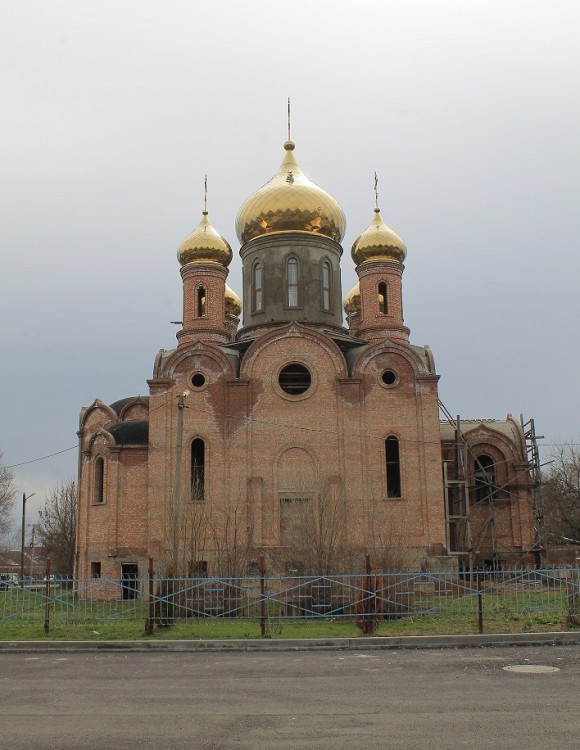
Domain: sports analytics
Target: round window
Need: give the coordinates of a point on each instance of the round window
(389, 377)
(294, 379)
(198, 380)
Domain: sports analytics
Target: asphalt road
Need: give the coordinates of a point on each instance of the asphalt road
(375, 699)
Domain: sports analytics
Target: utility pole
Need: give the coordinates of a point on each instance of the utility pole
(22, 540)
(32, 549)
(177, 479)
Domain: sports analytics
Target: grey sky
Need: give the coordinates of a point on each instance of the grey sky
(112, 112)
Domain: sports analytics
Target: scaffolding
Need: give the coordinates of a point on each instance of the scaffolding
(456, 494)
(533, 459)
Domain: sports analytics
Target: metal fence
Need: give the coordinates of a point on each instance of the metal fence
(540, 595)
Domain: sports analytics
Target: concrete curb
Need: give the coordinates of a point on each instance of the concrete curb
(302, 644)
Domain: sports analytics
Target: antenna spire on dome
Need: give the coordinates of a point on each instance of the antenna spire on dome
(205, 196)
(289, 119)
(376, 194)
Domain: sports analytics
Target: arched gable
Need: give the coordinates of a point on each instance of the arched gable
(485, 439)
(189, 357)
(363, 363)
(97, 414)
(137, 409)
(101, 438)
(293, 330)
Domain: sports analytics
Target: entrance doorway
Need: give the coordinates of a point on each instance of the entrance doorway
(129, 581)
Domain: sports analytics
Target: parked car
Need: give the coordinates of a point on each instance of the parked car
(7, 581)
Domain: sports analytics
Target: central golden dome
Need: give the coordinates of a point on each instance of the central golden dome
(290, 202)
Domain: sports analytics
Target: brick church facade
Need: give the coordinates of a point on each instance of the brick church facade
(294, 435)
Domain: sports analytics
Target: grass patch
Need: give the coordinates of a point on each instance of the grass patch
(205, 629)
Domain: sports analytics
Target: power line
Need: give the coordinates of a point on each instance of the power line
(43, 458)
(249, 419)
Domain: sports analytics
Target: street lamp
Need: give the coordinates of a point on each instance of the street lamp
(24, 499)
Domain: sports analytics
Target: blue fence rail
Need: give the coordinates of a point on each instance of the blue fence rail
(380, 596)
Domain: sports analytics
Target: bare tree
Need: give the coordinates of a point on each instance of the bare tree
(388, 542)
(7, 493)
(206, 535)
(230, 537)
(57, 526)
(185, 532)
(561, 494)
(314, 530)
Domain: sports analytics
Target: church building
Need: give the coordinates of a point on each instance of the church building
(292, 434)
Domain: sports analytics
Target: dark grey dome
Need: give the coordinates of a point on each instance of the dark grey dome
(130, 433)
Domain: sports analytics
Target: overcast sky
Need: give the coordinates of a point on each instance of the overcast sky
(112, 112)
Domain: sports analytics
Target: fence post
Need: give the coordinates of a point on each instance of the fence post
(151, 613)
(47, 597)
(370, 609)
(571, 604)
(263, 607)
(479, 607)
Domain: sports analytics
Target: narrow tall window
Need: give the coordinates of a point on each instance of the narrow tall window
(257, 287)
(292, 282)
(201, 300)
(197, 470)
(95, 570)
(383, 298)
(99, 480)
(485, 479)
(326, 285)
(393, 467)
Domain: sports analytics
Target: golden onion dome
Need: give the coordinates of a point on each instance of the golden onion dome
(378, 242)
(290, 202)
(233, 303)
(204, 245)
(351, 302)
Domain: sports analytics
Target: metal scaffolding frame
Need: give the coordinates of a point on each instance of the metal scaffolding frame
(456, 494)
(458, 531)
(533, 458)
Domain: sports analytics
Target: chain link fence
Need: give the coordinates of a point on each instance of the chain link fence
(483, 597)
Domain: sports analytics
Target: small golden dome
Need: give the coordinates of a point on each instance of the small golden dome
(378, 242)
(289, 202)
(233, 303)
(351, 303)
(204, 245)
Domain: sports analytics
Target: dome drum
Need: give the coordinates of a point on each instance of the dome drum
(291, 277)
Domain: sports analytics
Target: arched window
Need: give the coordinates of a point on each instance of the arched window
(485, 479)
(99, 495)
(292, 282)
(383, 298)
(326, 285)
(393, 462)
(257, 287)
(201, 301)
(197, 469)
